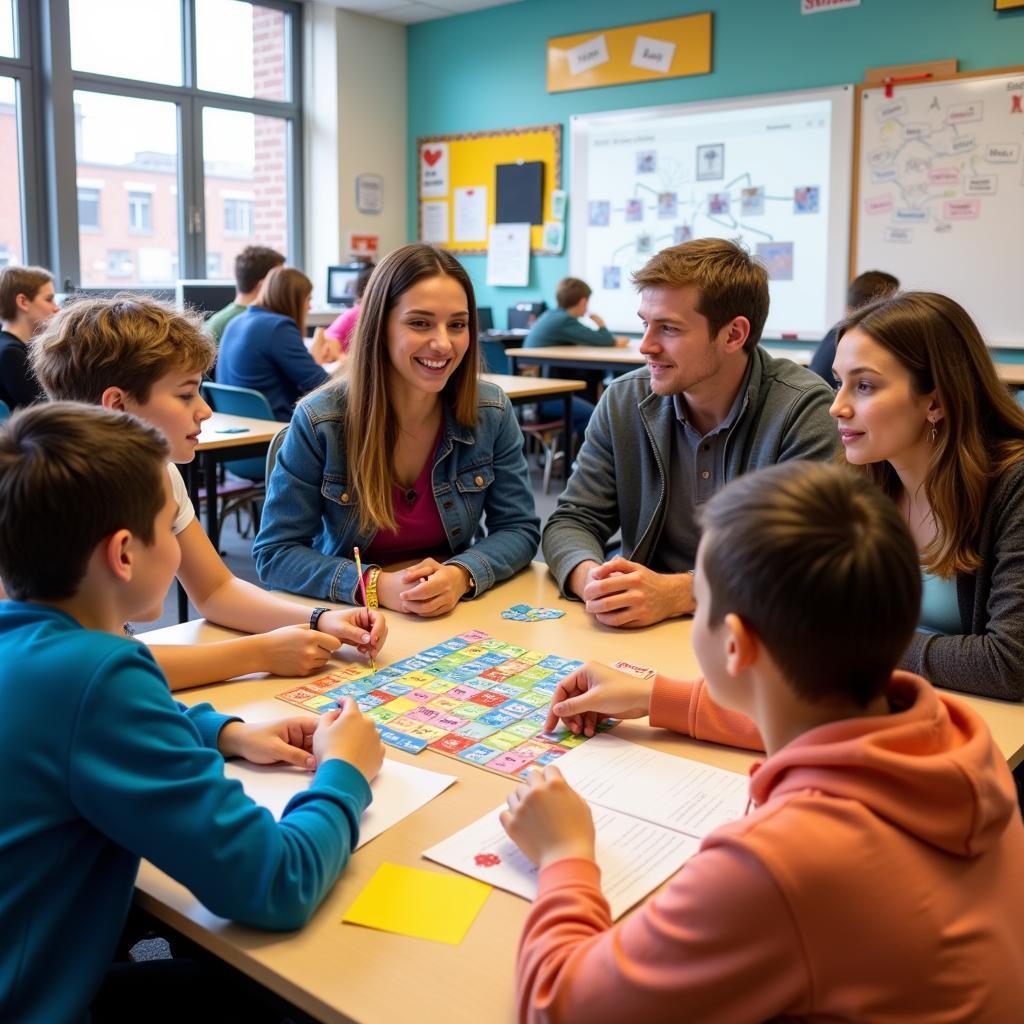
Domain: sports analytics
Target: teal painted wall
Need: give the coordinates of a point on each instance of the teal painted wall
(487, 70)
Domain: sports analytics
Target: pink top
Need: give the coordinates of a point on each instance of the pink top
(420, 529)
(343, 328)
(879, 876)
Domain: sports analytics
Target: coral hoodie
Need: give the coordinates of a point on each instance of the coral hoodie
(879, 877)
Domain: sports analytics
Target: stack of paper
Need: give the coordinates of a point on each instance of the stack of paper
(651, 811)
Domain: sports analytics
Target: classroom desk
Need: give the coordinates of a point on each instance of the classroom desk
(215, 447)
(342, 973)
(521, 390)
(1011, 374)
(615, 360)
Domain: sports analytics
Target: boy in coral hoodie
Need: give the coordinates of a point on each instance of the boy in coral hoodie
(879, 874)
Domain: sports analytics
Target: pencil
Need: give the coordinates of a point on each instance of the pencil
(362, 590)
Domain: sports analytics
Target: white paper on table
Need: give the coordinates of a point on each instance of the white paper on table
(398, 790)
(434, 218)
(471, 214)
(675, 792)
(635, 856)
(508, 255)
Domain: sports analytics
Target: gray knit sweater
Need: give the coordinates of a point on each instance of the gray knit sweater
(988, 658)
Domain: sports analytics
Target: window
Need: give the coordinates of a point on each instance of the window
(238, 217)
(242, 49)
(10, 173)
(145, 193)
(120, 263)
(100, 29)
(8, 40)
(88, 208)
(140, 212)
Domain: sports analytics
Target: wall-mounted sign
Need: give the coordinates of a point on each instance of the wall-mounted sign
(669, 48)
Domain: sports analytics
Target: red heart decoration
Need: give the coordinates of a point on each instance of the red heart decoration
(432, 156)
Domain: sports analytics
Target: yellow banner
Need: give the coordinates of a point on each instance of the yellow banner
(670, 48)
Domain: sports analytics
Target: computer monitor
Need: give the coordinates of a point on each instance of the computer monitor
(341, 283)
(522, 315)
(205, 296)
(484, 319)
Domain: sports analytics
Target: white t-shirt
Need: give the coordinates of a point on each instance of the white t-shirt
(186, 510)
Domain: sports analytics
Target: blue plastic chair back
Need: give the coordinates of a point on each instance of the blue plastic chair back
(495, 359)
(235, 401)
(5, 411)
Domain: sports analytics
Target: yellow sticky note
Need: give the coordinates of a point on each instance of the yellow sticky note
(425, 904)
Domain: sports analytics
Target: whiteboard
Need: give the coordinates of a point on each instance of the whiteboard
(941, 193)
(774, 171)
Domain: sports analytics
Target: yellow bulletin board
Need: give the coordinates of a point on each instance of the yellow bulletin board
(669, 48)
(453, 170)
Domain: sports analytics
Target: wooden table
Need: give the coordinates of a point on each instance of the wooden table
(1011, 374)
(223, 439)
(616, 360)
(339, 972)
(522, 390)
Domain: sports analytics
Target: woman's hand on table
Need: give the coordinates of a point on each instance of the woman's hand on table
(428, 588)
(595, 692)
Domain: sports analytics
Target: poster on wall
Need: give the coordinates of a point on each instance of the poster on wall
(508, 255)
(434, 170)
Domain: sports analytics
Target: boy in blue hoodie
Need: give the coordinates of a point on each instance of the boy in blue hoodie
(101, 766)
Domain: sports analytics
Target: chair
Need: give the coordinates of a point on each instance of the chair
(544, 434)
(5, 411)
(275, 447)
(236, 401)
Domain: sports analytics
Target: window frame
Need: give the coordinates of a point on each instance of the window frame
(50, 226)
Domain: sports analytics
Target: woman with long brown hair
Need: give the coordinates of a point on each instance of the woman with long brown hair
(402, 457)
(923, 413)
(263, 348)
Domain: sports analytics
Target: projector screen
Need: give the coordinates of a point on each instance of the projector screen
(773, 171)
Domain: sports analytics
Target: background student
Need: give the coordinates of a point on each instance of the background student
(101, 766)
(252, 265)
(922, 413)
(140, 356)
(879, 873)
(562, 326)
(26, 303)
(403, 457)
(865, 288)
(343, 329)
(264, 350)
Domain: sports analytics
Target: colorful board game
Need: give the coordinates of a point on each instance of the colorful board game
(472, 697)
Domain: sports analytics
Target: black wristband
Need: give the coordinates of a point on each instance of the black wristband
(314, 619)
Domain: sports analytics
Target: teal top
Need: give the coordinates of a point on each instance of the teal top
(557, 327)
(101, 766)
(940, 612)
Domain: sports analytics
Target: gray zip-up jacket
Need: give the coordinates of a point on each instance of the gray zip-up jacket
(619, 481)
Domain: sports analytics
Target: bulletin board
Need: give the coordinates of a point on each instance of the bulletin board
(457, 182)
(939, 198)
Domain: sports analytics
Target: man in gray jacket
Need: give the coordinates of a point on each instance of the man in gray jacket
(709, 406)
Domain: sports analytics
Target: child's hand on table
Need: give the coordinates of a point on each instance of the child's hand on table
(289, 740)
(595, 692)
(548, 820)
(364, 630)
(296, 650)
(349, 735)
(428, 588)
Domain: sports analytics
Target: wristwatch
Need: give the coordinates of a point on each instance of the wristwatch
(314, 619)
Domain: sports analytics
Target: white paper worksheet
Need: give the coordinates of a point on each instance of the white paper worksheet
(651, 810)
(398, 790)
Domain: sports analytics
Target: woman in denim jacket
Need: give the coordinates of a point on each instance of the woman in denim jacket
(402, 457)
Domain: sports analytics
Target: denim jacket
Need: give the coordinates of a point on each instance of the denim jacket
(311, 517)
